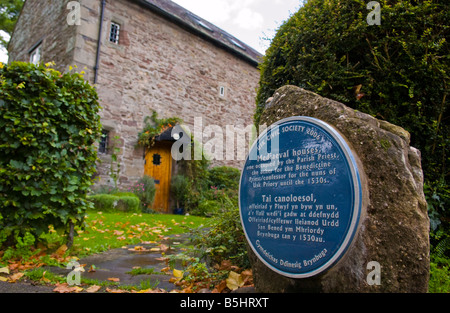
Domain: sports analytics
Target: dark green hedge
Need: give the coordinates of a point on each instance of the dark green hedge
(398, 71)
(116, 202)
(49, 123)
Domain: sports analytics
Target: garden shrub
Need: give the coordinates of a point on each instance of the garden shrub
(224, 177)
(49, 123)
(397, 71)
(225, 239)
(113, 203)
(145, 190)
(179, 187)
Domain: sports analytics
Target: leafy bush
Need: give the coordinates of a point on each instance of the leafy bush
(179, 187)
(225, 240)
(439, 275)
(145, 190)
(49, 123)
(112, 203)
(398, 71)
(224, 177)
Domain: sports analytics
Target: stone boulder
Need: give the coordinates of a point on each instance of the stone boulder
(394, 226)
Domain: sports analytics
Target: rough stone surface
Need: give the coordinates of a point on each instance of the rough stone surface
(157, 66)
(394, 227)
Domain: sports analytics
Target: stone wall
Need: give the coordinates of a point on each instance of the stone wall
(394, 226)
(160, 66)
(156, 66)
(46, 21)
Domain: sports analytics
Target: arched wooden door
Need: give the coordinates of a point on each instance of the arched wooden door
(158, 164)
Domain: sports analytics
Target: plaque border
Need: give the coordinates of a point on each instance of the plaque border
(357, 189)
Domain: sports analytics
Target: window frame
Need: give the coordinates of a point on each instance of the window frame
(114, 33)
(104, 142)
(36, 51)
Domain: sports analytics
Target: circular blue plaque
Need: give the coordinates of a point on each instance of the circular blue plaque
(300, 197)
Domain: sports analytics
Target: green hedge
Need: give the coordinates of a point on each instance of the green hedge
(49, 123)
(124, 202)
(397, 71)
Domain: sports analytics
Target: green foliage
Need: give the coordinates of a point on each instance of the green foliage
(22, 249)
(179, 187)
(115, 202)
(224, 177)
(49, 123)
(9, 13)
(154, 127)
(114, 169)
(225, 239)
(145, 190)
(398, 71)
(439, 275)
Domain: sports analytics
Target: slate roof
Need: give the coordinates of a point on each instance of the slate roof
(202, 28)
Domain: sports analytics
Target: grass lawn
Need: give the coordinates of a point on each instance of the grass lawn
(104, 231)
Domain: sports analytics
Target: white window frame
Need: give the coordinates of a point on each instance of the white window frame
(36, 54)
(114, 38)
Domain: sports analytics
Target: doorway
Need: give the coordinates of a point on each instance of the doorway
(158, 164)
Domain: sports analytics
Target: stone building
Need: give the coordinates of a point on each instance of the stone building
(143, 56)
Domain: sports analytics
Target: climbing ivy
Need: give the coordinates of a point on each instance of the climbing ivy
(154, 127)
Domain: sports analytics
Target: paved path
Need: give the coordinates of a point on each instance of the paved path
(115, 264)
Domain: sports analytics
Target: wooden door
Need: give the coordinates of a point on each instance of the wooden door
(158, 164)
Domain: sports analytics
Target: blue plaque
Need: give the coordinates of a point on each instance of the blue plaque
(300, 197)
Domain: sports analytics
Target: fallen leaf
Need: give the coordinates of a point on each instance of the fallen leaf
(4, 270)
(118, 232)
(61, 250)
(93, 288)
(115, 290)
(64, 288)
(114, 279)
(177, 273)
(164, 247)
(234, 281)
(3, 278)
(15, 277)
(91, 269)
(220, 287)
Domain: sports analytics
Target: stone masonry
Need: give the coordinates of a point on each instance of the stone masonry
(157, 65)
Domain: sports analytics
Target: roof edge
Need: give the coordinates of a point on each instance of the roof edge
(254, 61)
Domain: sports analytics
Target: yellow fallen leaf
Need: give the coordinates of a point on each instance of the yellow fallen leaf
(3, 278)
(234, 281)
(61, 250)
(15, 277)
(177, 273)
(4, 270)
(93, 288)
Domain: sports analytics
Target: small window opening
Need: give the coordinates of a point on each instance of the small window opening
(114, 33)
(35, 55)
(222, 91)
(104, 139)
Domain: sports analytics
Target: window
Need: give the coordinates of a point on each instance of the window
(35, 55)
(222, 91)
(114, 33)
(104, 139)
